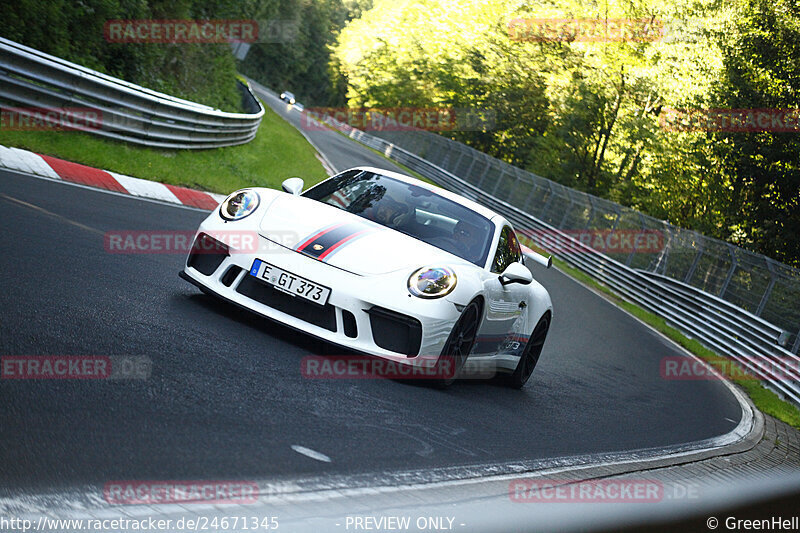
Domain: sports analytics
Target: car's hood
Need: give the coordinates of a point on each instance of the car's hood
(345, 240)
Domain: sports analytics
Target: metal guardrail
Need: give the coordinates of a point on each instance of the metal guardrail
(31, 80)
(756, 283)
(720, 325)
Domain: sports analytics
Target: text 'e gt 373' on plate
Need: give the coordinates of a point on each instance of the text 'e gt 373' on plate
(381, 264)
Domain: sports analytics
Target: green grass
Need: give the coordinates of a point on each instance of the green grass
(765, 400)
(278, 152)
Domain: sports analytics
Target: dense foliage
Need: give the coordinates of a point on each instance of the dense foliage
(304, 64)
(74, 31)
(590, 115)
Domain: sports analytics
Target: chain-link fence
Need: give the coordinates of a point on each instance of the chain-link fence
(762, 286)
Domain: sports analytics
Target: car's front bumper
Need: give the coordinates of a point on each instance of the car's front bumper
(364, 314)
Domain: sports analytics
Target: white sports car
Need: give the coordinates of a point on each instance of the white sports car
(381, 264)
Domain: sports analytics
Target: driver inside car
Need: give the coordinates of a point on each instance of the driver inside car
(391, 213)
(466, 241)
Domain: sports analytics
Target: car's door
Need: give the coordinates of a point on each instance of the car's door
(504, 303)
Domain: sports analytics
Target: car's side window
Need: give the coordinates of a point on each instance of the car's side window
(508, 250)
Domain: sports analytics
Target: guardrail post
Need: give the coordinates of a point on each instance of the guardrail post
(664, 256)
(469, 170)
(796, 347)
(485, 171)
(549, 202)
(729, 277)
(616, 220)
(613, 229)
(499, 181)
(768, 291)
(696, 261)
(591, 213)
(529, 197)
(566, 213)
(458, 161)
(436, 156)
(423, 148)
(514, 186)
(629, 259)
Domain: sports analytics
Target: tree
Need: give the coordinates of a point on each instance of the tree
(762, 70)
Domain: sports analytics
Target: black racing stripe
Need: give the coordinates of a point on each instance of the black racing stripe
(321, 244)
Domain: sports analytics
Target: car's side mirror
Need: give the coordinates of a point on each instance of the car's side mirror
(544, 260)
(293, 185)
(516, 273)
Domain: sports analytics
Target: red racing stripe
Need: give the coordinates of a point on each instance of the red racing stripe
(334, 247)
(317, 235)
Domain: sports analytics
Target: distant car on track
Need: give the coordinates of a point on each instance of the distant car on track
(288, 97)
(382, 264)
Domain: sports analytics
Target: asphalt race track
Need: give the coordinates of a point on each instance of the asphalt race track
(341, 152)
(226, 399)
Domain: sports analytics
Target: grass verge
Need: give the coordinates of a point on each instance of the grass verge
(279, 151)
(764, 399)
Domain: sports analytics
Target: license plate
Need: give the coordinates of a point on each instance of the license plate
(290, 283)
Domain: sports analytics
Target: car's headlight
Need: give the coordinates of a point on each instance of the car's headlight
(432, 282)
(239, 204)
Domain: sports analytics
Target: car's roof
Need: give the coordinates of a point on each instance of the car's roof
(466, 202)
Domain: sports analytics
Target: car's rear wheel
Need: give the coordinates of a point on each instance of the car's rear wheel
(530, 355)
(459, 344)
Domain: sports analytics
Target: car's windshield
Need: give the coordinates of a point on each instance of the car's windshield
(411, 209)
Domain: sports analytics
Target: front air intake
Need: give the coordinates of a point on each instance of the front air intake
(207, 254)
(395, 332)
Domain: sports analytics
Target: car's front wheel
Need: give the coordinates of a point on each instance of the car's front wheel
(530, 355)
(459, 345)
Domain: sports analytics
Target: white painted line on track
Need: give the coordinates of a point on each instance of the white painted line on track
(308, 452)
